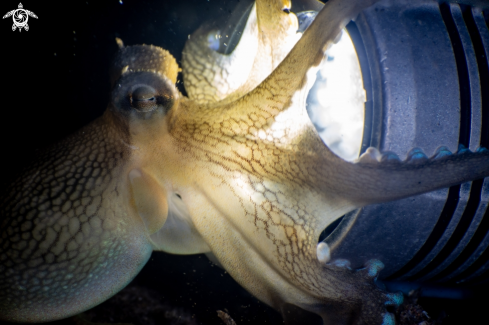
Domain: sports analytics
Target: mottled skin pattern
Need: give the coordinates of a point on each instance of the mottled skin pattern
(58, 228)
(246, 180)
(268, 37)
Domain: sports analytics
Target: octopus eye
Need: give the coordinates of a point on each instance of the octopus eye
(140, 94)
(144, 98)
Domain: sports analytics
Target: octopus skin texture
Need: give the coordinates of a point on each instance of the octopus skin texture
(236, 170)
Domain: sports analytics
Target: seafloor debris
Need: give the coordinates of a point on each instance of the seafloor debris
(225, 318)
(411, 313)
(139, 306)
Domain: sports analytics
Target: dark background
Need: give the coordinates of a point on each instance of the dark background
(55, 80)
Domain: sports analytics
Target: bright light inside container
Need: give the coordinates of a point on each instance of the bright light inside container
(336, 101)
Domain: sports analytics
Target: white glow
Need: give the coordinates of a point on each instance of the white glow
(336, 101)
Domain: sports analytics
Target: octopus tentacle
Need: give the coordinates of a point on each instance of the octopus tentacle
(245, 179)
(211, 76)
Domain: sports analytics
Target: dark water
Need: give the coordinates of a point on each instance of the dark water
(55, 80)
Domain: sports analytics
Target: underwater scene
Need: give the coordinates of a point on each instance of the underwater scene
(244, 162)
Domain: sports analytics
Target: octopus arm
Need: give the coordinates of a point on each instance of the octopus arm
(280, 101)
(376, 177)
(211, 76)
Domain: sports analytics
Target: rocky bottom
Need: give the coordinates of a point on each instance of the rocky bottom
(181, 290)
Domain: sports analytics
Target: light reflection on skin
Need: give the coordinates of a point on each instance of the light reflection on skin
(336, 102)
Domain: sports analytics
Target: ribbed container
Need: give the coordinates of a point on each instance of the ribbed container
(425, 72)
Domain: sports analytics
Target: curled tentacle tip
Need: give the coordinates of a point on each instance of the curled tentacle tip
(389, 319)
(389, 157)
(341, 263)
(323, 252)
(374, 267)
(462, 149)
(416, 155)
(371, 155)
(394, 299)
(442, 152)
(482, 150)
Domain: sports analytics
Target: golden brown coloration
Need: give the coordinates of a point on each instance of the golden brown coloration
(211, 76)
(58, 228)
(245, 178)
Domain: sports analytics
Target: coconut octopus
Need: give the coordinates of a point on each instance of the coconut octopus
(235, 170)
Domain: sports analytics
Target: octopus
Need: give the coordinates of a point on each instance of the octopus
(235, 170)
